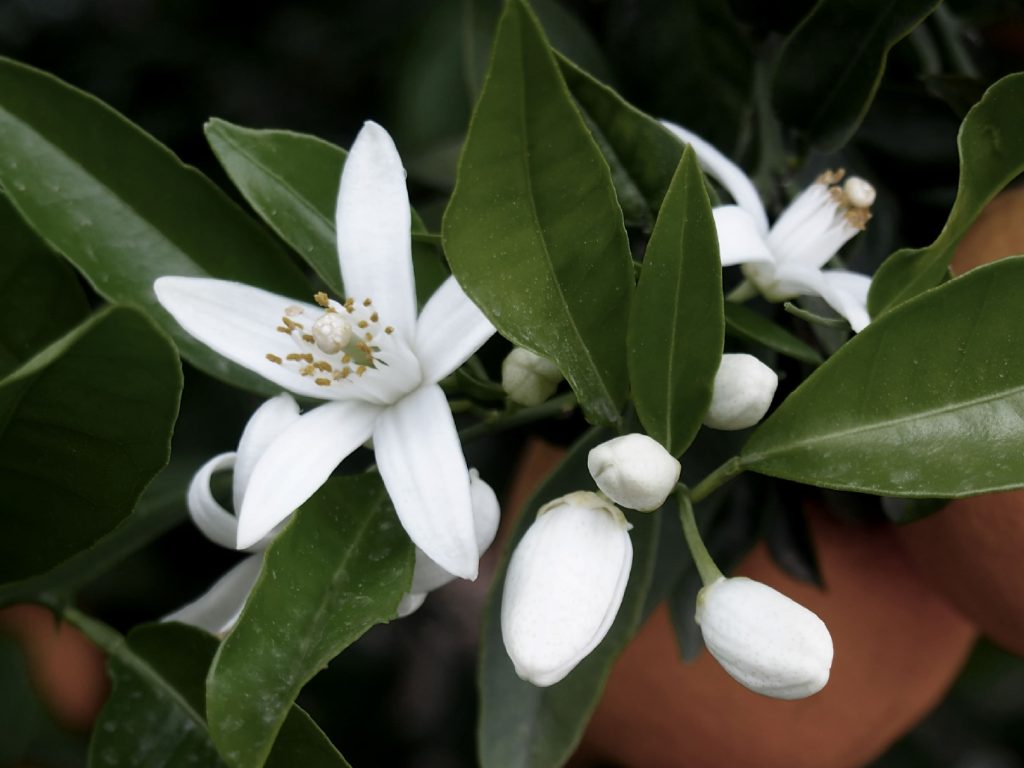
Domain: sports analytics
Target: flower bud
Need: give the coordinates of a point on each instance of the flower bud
(564, 585)
(528, 378)
(634, 471)
(764, 640)
(743, 392)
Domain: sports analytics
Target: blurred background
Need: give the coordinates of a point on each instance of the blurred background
(416, 67)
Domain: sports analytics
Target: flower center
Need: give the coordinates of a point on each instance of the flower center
(853, 198)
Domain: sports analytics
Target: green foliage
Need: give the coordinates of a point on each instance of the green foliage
(341, 566)
(533, 231)
(923, 403)
(676, 327)
(745, 323)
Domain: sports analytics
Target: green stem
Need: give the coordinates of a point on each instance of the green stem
(716, 479)
(500, 421)
(105, 637)
(709, 572)
(811, 317)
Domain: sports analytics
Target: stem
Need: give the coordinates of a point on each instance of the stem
(744, 291)
(716, 479)
(810, 317)
(105, 637)
(499, 422)
(709, 572)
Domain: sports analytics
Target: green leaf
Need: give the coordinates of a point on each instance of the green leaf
(123, 209)
(154, 715)
(642, 154)
(521, 725)
(84, 427)
(745, 323)
(40, 298)
(291, 181)
(533, 231)
(676, 328)
(991, 148)
(341, 566)
(832, 63)
(923, 402)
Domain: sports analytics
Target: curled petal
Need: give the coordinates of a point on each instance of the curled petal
(217, 610)
(847, 293)
(739, 239)
(268, 421)
(216, 523)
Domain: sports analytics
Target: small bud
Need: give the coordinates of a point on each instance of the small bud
(564, 586)
(743, 392)
(858, 192)
(634, 471)
(528, 378)
(764, 640)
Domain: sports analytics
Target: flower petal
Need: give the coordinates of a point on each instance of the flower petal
(410, 603)
(847, 293)
(217, 610)
(421, 462)
(299, 461)
(739, 239)
(216, 523)
(450, 329)
(239, 322)
(726, 172)
(269, 420)
(373, 222)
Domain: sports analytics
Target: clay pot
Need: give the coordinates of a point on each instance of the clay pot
(898, 647)
(971, 551)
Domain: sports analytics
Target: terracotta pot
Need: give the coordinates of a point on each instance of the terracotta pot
(971, 551)
(898, 647)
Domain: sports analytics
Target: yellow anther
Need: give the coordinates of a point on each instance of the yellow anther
(389, 330)
(273, 358)
(322, 382)
(346, 358)
(321, 298)
(367, 302)
(291, 324)
(300, 356)
(323, 365)
(282, 329)
(374, 317)
(307, 370)
(360, 370)
(308, 338)
(368, 336)
(362, 324)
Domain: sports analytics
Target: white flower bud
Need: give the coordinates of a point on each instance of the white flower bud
(634, 471)
(766, 641)
(564, 585)
(527, 378)
(743, 392)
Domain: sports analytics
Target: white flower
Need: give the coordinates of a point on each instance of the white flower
(528, 378)
(763, 639)
(370, 357)
(743, 392)
(564, 585)
(634, 471)
(787, 260)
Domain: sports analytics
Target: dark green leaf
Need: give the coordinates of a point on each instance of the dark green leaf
(123, 209)
(341, 566)
(925, 401)
(40, 298)
(676, 329)
(84, 427)
(533, 231)
(745, 323)
(521, 725)
(155, 716)
(291, 181)
(991, 147)
(832, 63)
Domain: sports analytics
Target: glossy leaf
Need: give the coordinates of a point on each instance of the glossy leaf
(123, 209)
(291, 180)
(991, 147)
(40, 298)
(925, 402)
(86, 424)
(521, 725)
(534, 215)
(341, 566)
(676, 328)
(832, 63)
(745, 323)
(155, 714)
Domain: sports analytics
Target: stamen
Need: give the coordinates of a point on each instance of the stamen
(307, 370)
(389, 330)
(300, 356)
(321, 298)
(374, 317)
(291, 324)
(830, 178)
(360, 370)
(293, 310)
(322, 382)
(273, 358)
(367, 302)
(308, 338)
(323, 365)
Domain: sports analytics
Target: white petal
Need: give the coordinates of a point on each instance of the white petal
(742, 394)
(634, 470)
(217, 610)
(428, 575)
(216, 523)
(269, 421)
(420, 459)
(450, 329)
(847, 293)
(298, 462)
(739, 239)
(730, 175)
(410, 603)
(373, 222)
(564, 586)
(239, 322)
